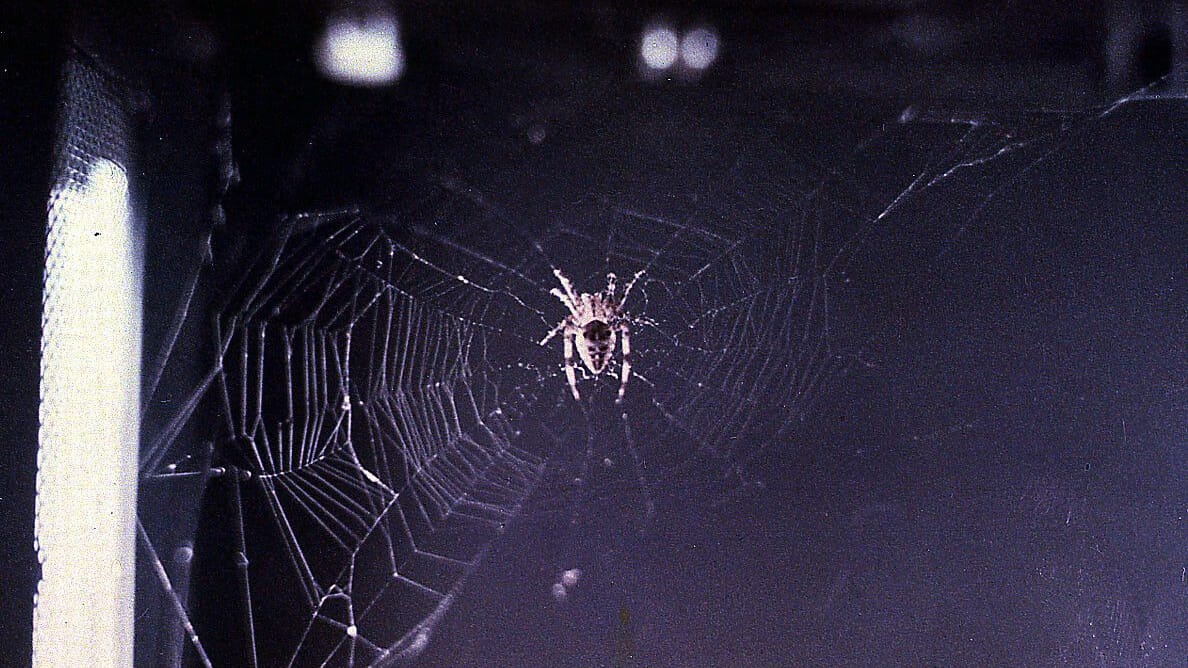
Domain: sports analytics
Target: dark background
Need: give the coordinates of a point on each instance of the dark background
(999, 483)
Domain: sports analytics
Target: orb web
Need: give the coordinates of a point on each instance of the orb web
(387, 408)
(364, 422)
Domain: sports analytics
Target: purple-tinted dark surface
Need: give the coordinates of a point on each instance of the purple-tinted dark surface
(998, 482)
(1001, 484)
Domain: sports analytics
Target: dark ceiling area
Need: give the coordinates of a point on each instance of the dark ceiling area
(502, 63)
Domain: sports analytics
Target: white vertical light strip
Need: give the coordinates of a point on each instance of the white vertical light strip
(85, 532)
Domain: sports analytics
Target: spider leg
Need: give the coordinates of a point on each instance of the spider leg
(564, 300)
(611, 279)
(627, 290)
(569, 375)
(556, 330)
(573, 298)
(626, 374)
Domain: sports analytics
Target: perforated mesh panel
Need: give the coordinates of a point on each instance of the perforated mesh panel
(90, 385)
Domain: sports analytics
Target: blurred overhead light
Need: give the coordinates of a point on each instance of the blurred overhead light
(659, 48)
(361, 51)
(699, 48)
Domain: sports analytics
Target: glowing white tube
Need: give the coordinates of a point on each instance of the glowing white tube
(88, 443)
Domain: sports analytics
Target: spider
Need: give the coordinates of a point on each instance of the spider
(595, 319)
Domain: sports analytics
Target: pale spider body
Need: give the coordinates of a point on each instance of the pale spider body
(594, 324)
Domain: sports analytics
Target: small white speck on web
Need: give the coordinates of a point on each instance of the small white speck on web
(570, 577)
(560, 594)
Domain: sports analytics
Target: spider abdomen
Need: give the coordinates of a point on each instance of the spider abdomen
(598, 345)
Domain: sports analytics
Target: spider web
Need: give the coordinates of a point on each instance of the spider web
(386, 407)
(384, 459)
(730, 315)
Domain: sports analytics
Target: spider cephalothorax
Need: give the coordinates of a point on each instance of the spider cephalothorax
(592, 326)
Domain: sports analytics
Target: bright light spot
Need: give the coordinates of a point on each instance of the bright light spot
(570, 577)
(352, 631)
(699, 48)
(659, 48)
(560, 594)
(361, 51)
(85, 517)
